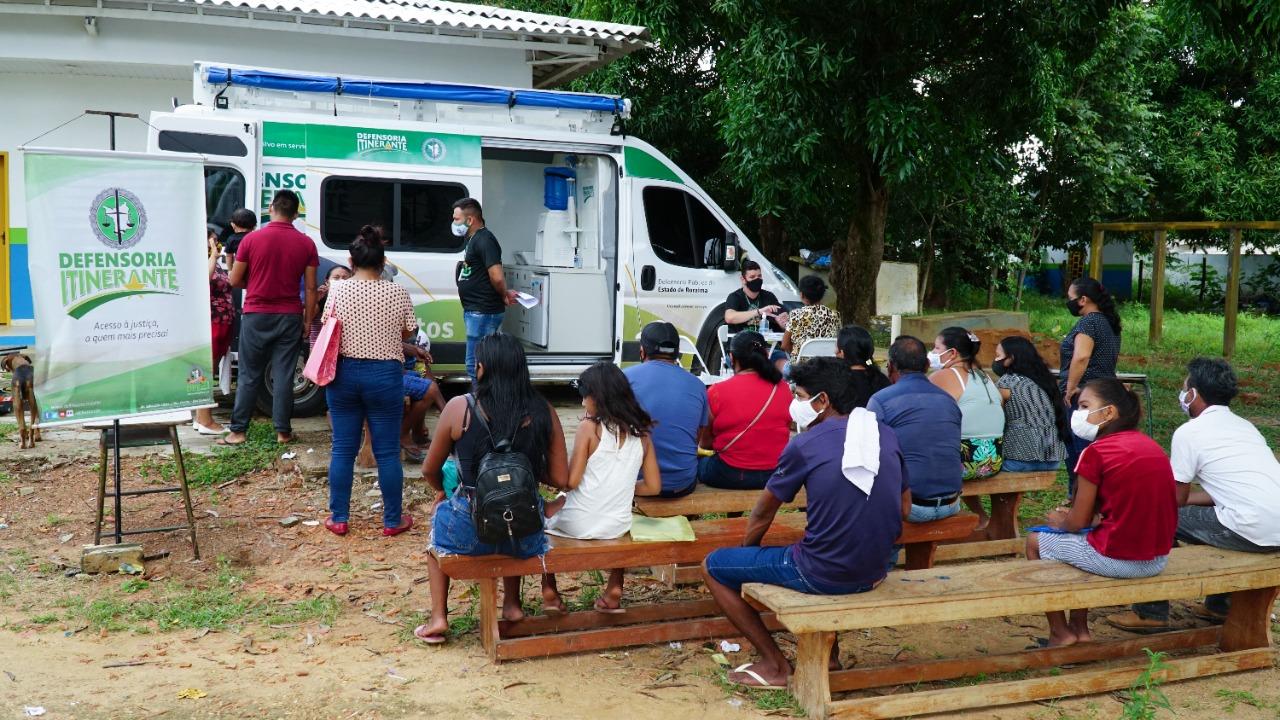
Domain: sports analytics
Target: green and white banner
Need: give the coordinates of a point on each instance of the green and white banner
(120, 281)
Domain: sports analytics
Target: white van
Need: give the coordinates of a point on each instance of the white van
(606, 231)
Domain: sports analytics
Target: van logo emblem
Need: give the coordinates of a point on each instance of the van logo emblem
(118, 218)
(433, 149)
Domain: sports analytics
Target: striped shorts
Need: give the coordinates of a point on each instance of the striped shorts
(1075, 550)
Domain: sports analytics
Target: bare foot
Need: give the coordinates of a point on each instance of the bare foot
(433, 632)
(759, 671)
(512, 611)
(610, 599)
(1061, 640)
(552, 603)
(233, 438)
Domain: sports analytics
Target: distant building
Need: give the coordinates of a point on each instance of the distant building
(61, 57)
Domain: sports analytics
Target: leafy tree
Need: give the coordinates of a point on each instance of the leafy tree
(828, 104)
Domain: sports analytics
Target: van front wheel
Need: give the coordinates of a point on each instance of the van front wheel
(308, 398)
(708, 340)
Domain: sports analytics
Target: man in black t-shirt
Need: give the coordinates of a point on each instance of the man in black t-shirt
(482, 287)
(746, 305)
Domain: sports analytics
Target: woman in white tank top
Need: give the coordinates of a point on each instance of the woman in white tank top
(610, 451)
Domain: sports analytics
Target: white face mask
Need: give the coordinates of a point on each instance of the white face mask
(1081, 426)
(459, 229)
(935, 360)
(1185, 398)
(802, 413)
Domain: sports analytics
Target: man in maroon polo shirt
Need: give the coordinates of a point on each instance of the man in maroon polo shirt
(269, 264)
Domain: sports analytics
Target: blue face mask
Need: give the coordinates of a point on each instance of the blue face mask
(459, 229)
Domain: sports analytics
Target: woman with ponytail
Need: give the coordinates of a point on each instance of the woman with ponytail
(855, 346)
(750, 419)
(376, 317)
(1124, 513)
(1089, 351)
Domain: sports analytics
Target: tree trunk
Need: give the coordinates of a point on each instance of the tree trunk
(773, 240)
(855, 259)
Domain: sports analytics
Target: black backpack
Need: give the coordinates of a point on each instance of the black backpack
(506, 491)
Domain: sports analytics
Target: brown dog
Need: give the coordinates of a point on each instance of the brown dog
(24, 397)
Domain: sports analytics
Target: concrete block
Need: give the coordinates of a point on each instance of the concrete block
(110, 558)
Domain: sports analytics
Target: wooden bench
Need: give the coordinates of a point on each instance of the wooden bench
(1002, 589)
(540, 636)
(1000, 537)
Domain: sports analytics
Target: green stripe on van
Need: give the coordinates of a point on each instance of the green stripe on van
(17, 236)
(397, 147)
(639, 163)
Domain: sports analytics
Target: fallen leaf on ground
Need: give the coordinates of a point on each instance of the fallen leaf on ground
(191, 694)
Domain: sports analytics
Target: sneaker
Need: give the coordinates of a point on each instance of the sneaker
(1132, 622)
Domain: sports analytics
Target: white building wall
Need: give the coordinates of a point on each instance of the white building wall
(51, 70)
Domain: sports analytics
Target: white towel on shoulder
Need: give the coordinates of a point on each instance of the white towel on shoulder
(861, 461)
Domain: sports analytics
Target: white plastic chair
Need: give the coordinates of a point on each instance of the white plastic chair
(689, 348)
(817, 347)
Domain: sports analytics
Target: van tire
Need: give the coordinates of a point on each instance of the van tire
(308, 398)
(708, 343)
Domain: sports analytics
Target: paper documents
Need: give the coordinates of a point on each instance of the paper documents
(526, 300)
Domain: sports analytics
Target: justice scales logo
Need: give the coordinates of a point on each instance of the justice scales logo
(91, 279)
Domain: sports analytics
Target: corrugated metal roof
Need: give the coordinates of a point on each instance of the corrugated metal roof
(612, 40)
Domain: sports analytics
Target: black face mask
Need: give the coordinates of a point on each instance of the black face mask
(755, 285)
(1073, 307)
(998, 368)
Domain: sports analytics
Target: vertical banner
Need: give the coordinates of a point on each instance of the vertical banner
(120, 281)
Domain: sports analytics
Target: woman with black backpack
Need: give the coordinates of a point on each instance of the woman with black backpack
(507, 440)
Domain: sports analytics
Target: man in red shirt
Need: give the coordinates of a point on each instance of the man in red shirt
(269, 264)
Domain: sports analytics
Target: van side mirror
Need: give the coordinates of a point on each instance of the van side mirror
(730, 252)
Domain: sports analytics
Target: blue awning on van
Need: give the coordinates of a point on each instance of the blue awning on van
(359, 87)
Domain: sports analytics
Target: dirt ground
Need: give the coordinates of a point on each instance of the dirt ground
(60, 648)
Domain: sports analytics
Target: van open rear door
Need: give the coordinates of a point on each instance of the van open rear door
(231, 165)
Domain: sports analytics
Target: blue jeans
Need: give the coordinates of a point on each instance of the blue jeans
(453, 532)
(479, 326)
(1024, 466)
(1074, 449)
(927, 513)
(734, 566)
(363, 390)
(717, 473)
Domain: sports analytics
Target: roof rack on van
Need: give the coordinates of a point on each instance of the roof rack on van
(225, 87)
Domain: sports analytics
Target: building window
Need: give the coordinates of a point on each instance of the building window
(414, 216)
(223, 194)
(203, 143)
(680, 226)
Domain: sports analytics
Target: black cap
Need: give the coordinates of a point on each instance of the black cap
(660, 338)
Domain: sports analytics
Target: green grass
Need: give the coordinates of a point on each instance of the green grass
(1186, 336)
(53, 520)
(225, 463)
(774, 702)
(1231, 698)
(1145, 697)
(217, 607)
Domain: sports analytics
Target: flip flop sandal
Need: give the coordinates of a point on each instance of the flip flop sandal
(553, 611)
(414, 455)
(764, 684)
(226, 443)
(428, 639)
(600, 607)
(1038, 643)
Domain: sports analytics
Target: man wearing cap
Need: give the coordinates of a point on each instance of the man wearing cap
(677, 402)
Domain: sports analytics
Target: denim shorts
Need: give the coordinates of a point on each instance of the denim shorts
(734, 566)
(454, 533)
(416, 386)
(1011, 465)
